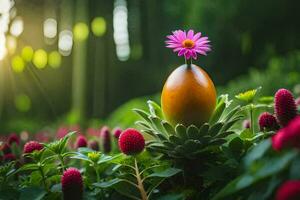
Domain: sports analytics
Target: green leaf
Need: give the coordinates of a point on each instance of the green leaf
(157, 123)
(192, 132)
(81, 156)
(181, 131)
(143, 124)
(257, 152)
(155, 109)
(231, 113)
(166, 173)
(175, 139)
(221, 105)
(246, 134)
(236, 144)
(204, 129)
(168, 128)
(109, 183)
(215, 129)
(32, 193)
(142, 114)
(27, 167)
(266, 99)
(56, 188)
(267, 168)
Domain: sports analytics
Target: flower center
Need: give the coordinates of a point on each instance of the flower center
(188, 43)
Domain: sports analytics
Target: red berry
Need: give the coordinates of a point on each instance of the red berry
(289, 190)
(31, 146)
(13, 138)
(105, 139)
(6, 149)
(285, 106)
(267, 121)
(131, 142)
(298, 101)
(62, 132)
(72, 184)
(288, 136)
(246, 123)
(94, 145)
(9, 157)
(80, 142)
(117, 132)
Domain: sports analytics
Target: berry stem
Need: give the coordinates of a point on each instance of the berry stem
(140, 185)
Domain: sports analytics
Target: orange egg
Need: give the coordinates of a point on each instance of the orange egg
(188, 96)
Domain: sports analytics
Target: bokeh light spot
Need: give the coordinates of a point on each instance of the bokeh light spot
(98, 26)
(22, 103)
(17, 27)
(17, 64)
(27, 53)
(11, 44)
(54, 59)
(80, 31)
(65, 42)
(40, 59)
(50, 28)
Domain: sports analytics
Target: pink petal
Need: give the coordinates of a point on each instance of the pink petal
(197, 36)
(190, 34)
(202, 39)
(177, 49)
(182, 52)
(188, 55)
(204, 48)
(194, 54)
(201, 52)
(174, 45)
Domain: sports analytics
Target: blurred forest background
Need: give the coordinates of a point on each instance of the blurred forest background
(71, 60)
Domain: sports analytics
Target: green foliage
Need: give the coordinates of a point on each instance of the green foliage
(187, 142)
(123, 116)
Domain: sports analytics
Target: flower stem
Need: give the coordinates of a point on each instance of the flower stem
(140, 185)
(97, 173)
(43, 177)
(251, 120)
(188, 62)
(62, 162)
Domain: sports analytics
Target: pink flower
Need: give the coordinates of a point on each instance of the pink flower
(31, 146)
(81, 141)
(288, 136)
(6, 148)
(94, 145)
(285, 106)
(267, 122)
(72, 184)
(62, 132)
(93, 132)
(117, 132)
(289, 190)
(13, 138)
(188, 44)
(42, 136)
(9, 157)
(246, 123)
(105, 139)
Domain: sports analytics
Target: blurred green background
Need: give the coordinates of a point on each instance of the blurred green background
(77, 61)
